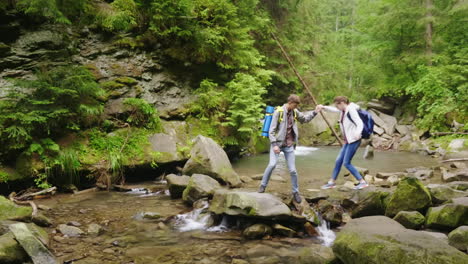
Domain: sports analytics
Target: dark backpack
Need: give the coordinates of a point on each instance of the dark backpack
(368, 121)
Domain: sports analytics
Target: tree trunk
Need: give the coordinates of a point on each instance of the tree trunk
(429, 31)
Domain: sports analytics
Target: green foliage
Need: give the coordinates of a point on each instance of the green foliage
(43, 8)
(68, 164)
(59, 101)
(141, 114)
(4, 177)
(209, 103)
(119, 16)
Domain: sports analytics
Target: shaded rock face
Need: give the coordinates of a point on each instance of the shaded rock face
(379, 239)
(199, 186)
(410, 195)
(177, 184)
(369, 201)
(411, 220)
(250, 204)
(459, 238)
(448, 216)
(207, 157)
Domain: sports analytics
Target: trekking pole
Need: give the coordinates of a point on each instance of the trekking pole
(285, 54)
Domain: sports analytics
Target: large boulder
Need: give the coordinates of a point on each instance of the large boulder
(11, 211)
(390, 123)
(459, 238)
(411, 220)
(207, 157)
(250, 204)
(442, 193)
(177, 184)
(10, 250)
(448, 216)
(200, 186)
(379, 239)
(410, 195)
(166, 146)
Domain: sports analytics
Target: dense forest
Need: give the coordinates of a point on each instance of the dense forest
(415, 52)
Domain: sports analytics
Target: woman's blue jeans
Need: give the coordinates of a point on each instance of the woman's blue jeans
(344, 158)
(290, 160)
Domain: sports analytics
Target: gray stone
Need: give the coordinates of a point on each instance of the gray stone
(32, 245)
(166, 146)
(283, 230)
(459, 238)
(403, 130)
(457, 144)
(177, 185)
(443, 193)
(383, 106)
(455, 175)
(390, 123)
(368, 201)
(200, 186)
(250, 204)
(378, 239)
(448, 216)
(207, 157)
(386, 175)
(70, 231)
(95, 230)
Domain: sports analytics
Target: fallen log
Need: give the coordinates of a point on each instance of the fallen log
(30, 196)
(453, 160)
(32, 245)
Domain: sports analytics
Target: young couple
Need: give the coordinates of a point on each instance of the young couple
(283, 135)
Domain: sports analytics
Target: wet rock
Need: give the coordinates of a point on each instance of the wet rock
(410, 195)
(379, 239)
(330, 213)
(246, 179)
(411, 220)
(239, 261)
(456, 175)
(70, 231)
(459, 238)
(310, 229)
(177, 185)
(207, 157)
(349, 185)
(95, 230)
(386, 175)
(458, 185)
(362, 171)
(11, 211)
(369, 201)
(393, 180)
(284, 231)
(10, 250)
(251, 204)
(443, 193)
(200, 186)
(257, 231)
(422, 174)
(151, 215)
(74, 223)
(41, 220)
(448, 216)
(304, 210)
(369, 178)
(316, 254)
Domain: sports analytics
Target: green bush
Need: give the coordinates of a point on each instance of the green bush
(120, 15)
(141, 114)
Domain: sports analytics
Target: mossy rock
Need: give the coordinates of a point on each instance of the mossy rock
(411, 220)
(199, 186)
(448, 216)
(370, 201)
(257, 231)
(126, 80)
(410, 195)
(443, 193)
(459, 238)
(11, 251)
(379, 239)
(112, 85)
(11, 211)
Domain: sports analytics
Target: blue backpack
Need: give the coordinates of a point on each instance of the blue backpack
(368, 121)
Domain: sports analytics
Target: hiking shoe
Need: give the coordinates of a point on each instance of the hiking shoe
(361, 185)
(329, 185)
(261, 189)
(297, 197)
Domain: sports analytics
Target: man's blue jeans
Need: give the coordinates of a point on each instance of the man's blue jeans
(344, 158)
(290, 160)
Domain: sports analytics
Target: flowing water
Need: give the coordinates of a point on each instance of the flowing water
(187, 236)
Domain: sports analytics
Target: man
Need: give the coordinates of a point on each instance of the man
(283, 135)
(351, 127)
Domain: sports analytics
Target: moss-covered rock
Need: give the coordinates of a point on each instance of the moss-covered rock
(257, 231)
(410, 195)
(379, 239)
(411, 220)
(11, 211)
(369, 201)
(443, 193)
(10, 251)
(448, 216)
(459, 238)
(200, 186)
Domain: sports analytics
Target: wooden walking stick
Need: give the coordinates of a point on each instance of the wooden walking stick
(286, 56)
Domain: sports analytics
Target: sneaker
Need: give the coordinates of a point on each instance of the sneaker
(261, 189)
(297, 197)
(329, 185)
(361, 185)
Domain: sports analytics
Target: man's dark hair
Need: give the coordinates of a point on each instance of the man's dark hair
(340, 99)
(293, 98)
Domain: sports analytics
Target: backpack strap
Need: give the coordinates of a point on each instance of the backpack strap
(280, 109)
(349, 116)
